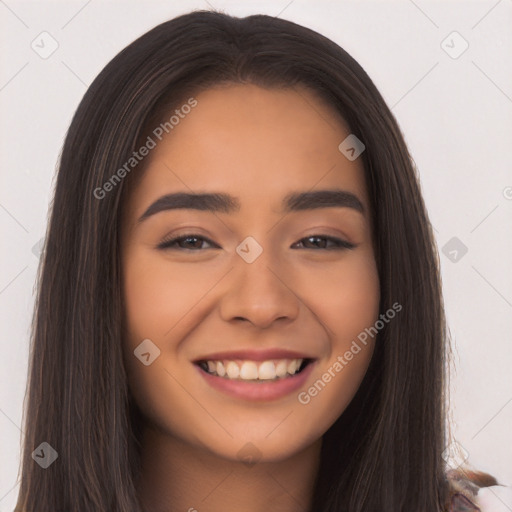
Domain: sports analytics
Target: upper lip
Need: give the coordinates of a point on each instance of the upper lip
(255, 355)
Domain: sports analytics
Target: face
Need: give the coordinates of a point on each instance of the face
(250, 316)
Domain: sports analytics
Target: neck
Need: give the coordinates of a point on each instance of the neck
(181, 477)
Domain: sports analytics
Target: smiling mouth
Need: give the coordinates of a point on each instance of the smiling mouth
(254, 371)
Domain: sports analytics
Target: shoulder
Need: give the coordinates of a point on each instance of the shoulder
(476, 491)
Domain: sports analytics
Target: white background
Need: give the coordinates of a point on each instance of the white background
(456, 116)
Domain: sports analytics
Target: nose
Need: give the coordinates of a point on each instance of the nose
(260, 292)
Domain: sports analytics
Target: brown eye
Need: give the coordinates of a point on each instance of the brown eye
(191, 241)
(195, 243)
(338, 243)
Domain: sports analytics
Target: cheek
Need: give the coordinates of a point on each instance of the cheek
(346, 302)
(158, 302)
(346, 298)
(157, 297)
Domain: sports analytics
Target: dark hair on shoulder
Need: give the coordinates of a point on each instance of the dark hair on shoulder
(384, 453)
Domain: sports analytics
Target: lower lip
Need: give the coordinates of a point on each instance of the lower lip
(258, 391)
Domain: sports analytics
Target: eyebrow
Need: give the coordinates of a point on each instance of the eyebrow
(225, 203)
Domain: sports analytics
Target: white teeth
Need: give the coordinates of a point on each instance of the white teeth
(220, 369)
(292, 366)
(267, 371)
(249, 371)
(233, 370)
(281, 368)
(252, 370)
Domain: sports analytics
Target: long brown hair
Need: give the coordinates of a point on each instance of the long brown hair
(384, 453)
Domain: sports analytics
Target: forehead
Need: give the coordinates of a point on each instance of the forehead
(254, 143)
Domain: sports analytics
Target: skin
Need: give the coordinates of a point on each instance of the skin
(258, 145)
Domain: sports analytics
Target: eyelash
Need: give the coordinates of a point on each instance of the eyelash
(340, 244)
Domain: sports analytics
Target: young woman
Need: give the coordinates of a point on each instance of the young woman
(239, 302)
